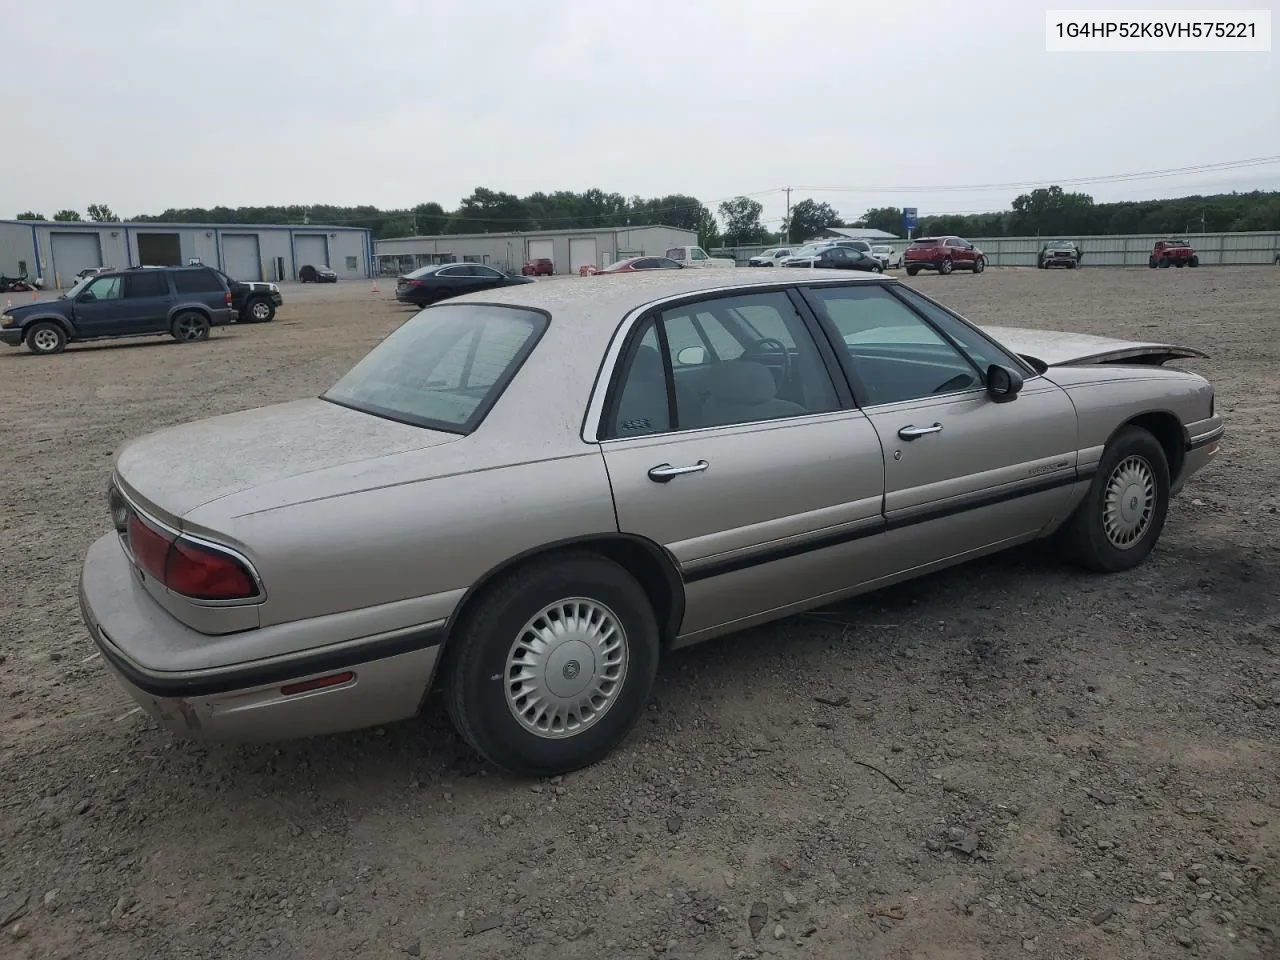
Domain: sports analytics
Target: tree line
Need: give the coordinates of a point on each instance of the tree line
(1048, 211)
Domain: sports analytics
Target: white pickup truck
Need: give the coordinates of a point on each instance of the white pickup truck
(697, 257)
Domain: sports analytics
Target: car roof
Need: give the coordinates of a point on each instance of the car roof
(580, 300)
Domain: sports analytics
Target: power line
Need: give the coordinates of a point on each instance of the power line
(1059, 181)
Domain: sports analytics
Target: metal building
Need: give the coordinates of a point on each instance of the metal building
(58, 250)
(567, 249)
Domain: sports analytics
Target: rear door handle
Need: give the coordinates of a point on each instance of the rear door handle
(664, 472)
(910, 433)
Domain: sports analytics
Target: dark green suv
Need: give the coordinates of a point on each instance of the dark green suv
(183, 302)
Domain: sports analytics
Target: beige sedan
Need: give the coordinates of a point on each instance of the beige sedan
(525, 497)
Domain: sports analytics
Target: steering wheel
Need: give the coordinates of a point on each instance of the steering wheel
(776, 354)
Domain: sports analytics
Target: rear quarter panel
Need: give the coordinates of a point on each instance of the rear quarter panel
(420, 543)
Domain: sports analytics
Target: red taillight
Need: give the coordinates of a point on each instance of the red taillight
(150, 547)
(190, 569)
(205, 574)
(227, 298)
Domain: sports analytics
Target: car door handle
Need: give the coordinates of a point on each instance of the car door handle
(664, 472)
(910, 433)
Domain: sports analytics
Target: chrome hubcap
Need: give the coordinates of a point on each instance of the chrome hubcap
(46, 340)
(1129, 503)
(189, 329)
(566, 668)
(260, 311)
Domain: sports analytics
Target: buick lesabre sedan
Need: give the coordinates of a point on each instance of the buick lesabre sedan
(524, 497)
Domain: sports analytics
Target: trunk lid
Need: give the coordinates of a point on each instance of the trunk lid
(178, 469)
(1055, 348)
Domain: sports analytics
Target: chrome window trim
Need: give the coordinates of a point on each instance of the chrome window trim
(178, 534)
(591, 423)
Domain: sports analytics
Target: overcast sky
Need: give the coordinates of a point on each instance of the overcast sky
(147, 104)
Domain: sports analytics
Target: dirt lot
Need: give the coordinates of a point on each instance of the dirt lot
(1088, 766)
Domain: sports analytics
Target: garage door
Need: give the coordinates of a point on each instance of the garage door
(310, 249)
(582, 251)
(241, 259)
(539, 249)
(72, 252)
(159, 249)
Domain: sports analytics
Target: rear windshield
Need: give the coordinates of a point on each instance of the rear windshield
(924, 243)
(445, 368)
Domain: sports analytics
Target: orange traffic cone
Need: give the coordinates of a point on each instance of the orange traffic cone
(33, 293)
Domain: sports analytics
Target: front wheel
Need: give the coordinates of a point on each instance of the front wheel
(1194, 261)
(980, 264)
(1164, 262)
(46, 339)
(190, 327)
(1120, 519)
(877, 269)
(912, 271)
(551, 669)
(1151, 262)
(261, 311)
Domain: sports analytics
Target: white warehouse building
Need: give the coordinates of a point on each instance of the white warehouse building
(567, 249)
(58, 250)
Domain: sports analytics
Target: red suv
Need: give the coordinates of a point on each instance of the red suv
(1173, 253)
(541, 267)
(943, 254)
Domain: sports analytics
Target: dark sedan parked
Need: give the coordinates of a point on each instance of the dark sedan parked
(443, 280)
(838, 258)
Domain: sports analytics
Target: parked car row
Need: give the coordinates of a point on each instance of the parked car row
(182, 302)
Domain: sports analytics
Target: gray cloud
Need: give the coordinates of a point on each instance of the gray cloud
(148, 104)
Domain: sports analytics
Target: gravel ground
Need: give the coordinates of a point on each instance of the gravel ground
(1008, 759)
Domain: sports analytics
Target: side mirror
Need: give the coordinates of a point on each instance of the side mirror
(86, 297)
(1003, 384)
(691, 356)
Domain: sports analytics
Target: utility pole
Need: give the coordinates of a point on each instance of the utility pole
(788, 219)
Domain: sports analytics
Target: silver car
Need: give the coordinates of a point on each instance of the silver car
(524, 497)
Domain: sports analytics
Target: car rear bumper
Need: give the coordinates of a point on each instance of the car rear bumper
(389, 674)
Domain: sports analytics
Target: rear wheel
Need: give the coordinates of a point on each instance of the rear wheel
(1119, 521)
(46, 338)
(190, 327)
(945, 267)
(551, 668)
(912, 271)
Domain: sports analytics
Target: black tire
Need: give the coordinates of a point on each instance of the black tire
(1194, 261)
(477, 676)
(46, 339)
(944, 267)
(1151, 262)
(980, 264)
(259, 311)
(1164, 262)
(1071, 264)
(1084, 537)
(912, 271)
(877, 269)
(189, 327)
(1179, 264)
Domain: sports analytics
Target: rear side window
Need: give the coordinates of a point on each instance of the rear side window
(196, 281)
(150, 284)
(445, 368)
(675, 253)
